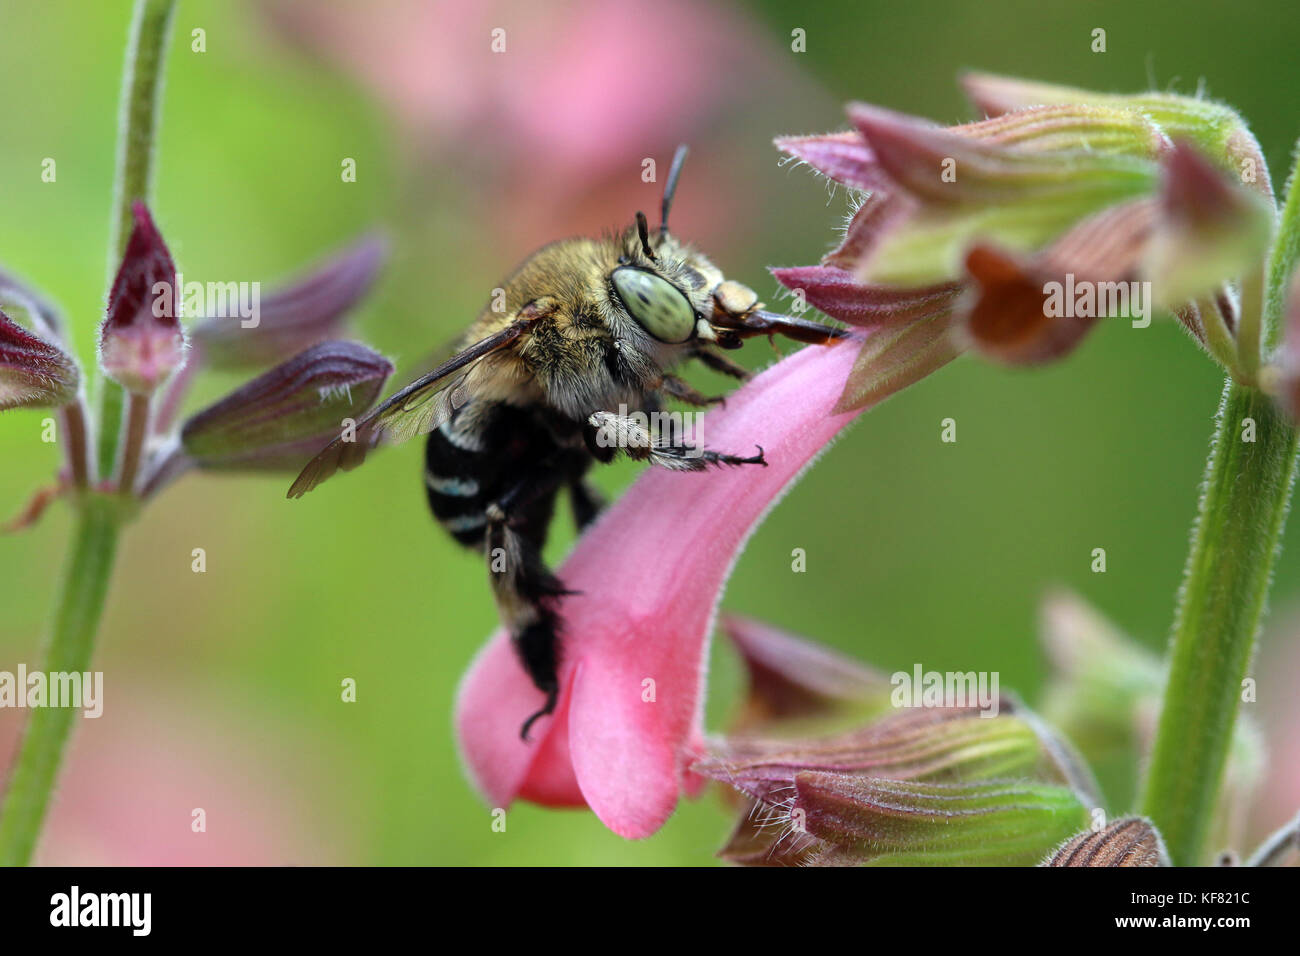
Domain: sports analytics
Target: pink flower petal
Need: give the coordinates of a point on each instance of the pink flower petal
(649, 595)
(844, 157)
(494, 699)
(843, 296)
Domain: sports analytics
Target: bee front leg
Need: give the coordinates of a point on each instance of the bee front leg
(720, 363)
(680, 390)
(693, 458)
(633, 437)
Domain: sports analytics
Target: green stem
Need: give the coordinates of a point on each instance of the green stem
(90, 562)
(1235, 541)
(71, 644)
(142, 82)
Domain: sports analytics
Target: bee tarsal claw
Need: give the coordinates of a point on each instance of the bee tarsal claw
(546, 711)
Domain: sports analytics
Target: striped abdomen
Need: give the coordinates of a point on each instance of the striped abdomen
(485, 452)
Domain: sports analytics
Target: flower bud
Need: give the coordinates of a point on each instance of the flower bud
(1104, 695)
(933, 743)
(16, 295)
(282, 417)
(292, 319)
(1211, 229)
(842, 157)
(910, 328)
(873, 220)
(969, 189)
(892, 360)
(931, 247)
(1130, 841)
(1104, 687)
(34, 373)
(790, 678)
(842, 296)
(1026, 310)
(1071, 126)
(141, 341)
(902, 822)
(1215, 128)
(951, 166)
(767, 835)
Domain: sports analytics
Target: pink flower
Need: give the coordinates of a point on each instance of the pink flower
(1067, 186)
(629, 719)
(523, 84)
(135, 776)
(579, 94)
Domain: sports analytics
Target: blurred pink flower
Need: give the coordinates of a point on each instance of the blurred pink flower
(650, 573)
(1278, 669)
(554, 129)
(577, 85)
(135, 775)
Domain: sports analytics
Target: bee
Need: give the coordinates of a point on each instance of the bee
(542, 387)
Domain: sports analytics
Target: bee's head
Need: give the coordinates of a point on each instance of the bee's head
(652, 281)
(657, 288)
(677, 296)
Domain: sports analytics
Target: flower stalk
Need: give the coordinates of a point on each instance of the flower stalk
(141, 99)
(1274, 849)
(1247, 490)
(137, 426)
(90, 562)
(74, 425)
(71, 646)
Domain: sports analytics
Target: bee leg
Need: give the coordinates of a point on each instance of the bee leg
(674, 386)
(587, 502)
(634, 438)
(526, 591)
(720, 363)
(692, 458)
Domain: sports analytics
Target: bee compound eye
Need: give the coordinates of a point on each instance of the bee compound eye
(657, 305)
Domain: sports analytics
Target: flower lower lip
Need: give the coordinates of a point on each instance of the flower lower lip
(627, 725)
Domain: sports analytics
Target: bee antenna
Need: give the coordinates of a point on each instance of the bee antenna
(670, 188)
(643, 230)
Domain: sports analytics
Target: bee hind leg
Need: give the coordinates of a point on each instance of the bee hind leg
(587, 502)
(527, 593)
(537, 646)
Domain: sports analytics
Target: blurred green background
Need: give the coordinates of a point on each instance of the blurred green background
(223, 687)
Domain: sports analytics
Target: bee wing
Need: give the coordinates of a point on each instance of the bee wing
(417, 409)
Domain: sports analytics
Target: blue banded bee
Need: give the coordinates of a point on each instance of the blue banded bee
(521, 413)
